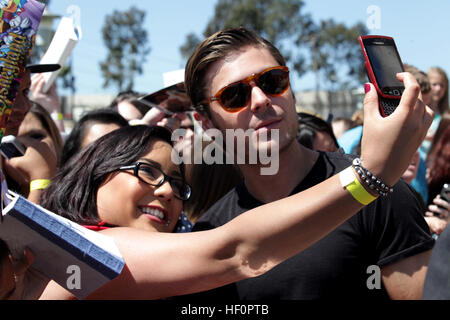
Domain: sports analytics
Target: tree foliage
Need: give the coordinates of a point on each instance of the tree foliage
(46, 2)
(126, 41)
(276, 20)
(333, 54)
(327, 48)
(189, 45)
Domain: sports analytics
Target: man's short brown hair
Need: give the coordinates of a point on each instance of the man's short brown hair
(215, 48)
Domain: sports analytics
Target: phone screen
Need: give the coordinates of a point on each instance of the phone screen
(10, 147)
(385, 63)
(9, 150)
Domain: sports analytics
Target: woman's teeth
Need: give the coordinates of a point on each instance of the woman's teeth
(154, 212)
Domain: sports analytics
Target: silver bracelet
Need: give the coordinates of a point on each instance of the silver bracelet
(370, 179)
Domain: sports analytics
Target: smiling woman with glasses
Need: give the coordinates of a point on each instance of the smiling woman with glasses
(125, 179)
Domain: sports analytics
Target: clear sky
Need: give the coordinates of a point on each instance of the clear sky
(420, 29)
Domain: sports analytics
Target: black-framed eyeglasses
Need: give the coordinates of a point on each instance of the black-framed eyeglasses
(156, 177)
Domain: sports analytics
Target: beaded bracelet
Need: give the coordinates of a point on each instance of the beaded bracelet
(370, 179)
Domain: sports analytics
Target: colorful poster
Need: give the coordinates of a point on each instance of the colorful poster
(19, 21)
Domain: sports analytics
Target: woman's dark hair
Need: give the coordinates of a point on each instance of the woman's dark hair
(443, 125)
(49, 125)
(73, 142)
(306, 136)
(309, 125)
(439, 165)
(73, 192)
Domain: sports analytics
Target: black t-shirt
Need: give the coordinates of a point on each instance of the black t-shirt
(388, 230)
(437, 282)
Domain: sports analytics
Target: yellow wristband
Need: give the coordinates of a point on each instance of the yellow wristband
(356, 189)
(57, 116)
(39, 184)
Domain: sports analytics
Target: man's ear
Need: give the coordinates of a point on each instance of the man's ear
(204, 120)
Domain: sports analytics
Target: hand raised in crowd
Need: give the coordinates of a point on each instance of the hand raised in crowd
(158, 117)
(153, 116)
(172, 123)
(38, 162)
(438, 215)
(401, 132)
(49, 100)
(440, 208)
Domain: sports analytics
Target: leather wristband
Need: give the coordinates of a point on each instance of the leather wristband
(350, 182)
(39, 184)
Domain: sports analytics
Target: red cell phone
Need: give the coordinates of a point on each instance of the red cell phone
(382, 63)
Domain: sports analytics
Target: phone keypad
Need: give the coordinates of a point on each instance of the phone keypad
(389, 105)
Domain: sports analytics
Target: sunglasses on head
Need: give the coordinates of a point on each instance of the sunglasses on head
(235, 96)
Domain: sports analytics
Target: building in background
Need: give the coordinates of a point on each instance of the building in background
(325, 103)
(75, 106)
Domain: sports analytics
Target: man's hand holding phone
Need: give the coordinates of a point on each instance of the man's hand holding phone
(402, 132)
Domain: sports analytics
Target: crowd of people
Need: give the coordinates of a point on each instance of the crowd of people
(429, 168)
(208, 231)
